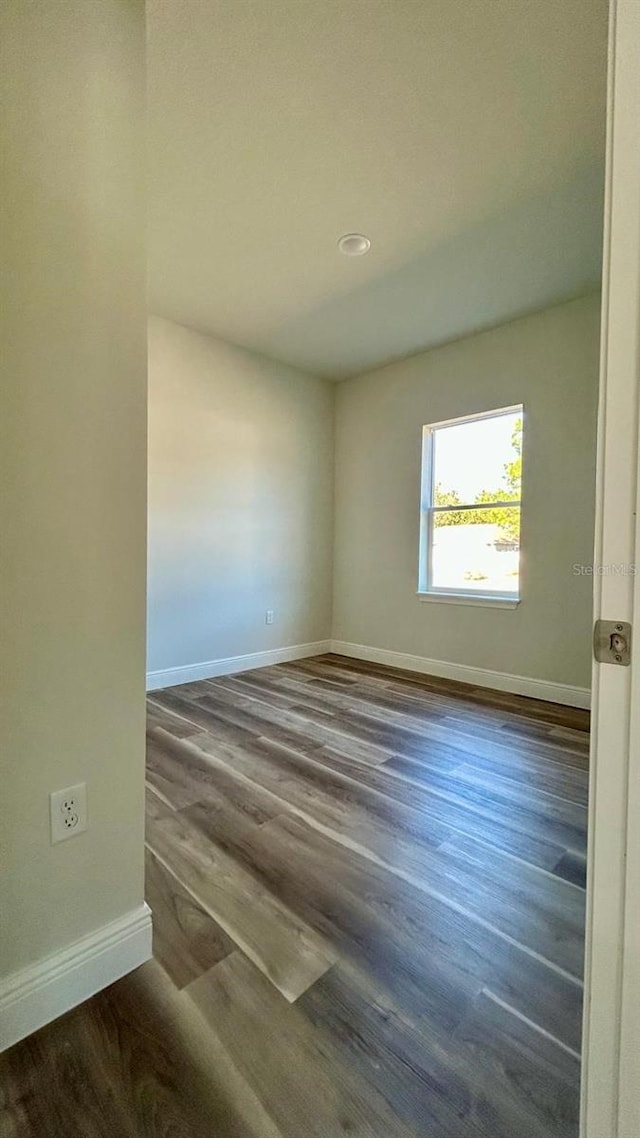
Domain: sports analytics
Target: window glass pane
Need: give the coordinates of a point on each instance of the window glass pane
(479, 461)
(477, 550)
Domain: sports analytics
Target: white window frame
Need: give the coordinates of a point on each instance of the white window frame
(426, 590)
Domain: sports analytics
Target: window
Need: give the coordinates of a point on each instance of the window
(470, 510)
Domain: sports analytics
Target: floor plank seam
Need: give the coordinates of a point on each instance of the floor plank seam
(531, 1023)
(427, 813)
(175, 714)
(297, 714)
(241, 944)
(264, 701)
(438, 896)
(418, 882)
(547, 793)
(564, 881)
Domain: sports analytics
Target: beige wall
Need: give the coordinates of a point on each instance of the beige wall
(240, 501)
(548, 361)
(73, 467)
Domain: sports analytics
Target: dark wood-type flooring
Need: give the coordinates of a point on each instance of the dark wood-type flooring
(368, 898)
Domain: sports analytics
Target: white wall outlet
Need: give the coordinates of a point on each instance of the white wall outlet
(268, 616)
(68, 810)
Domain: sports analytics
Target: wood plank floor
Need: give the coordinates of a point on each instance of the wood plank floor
(368, 898)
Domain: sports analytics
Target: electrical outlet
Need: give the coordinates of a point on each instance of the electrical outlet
(68, 809)
(268, 617)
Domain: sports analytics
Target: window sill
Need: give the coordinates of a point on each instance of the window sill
(463, 599)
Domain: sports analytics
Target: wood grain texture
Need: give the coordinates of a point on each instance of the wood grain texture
(278, 942)
(368, 898)
(186, 939)
(133, 1061)
(293, 1068)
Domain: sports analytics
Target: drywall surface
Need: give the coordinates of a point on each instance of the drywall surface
(73, 425)
(548, 362)
(240, 501)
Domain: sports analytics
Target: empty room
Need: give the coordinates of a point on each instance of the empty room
(322, 457)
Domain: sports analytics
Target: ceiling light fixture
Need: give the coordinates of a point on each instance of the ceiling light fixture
(354, 244)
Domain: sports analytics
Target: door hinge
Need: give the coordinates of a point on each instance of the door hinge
(612, 642)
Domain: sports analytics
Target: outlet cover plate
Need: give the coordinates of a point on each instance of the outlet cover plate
(68, 812)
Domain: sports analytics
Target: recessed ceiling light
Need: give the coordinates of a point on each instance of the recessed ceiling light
(354, 244)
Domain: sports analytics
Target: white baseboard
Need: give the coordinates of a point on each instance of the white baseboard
(480, 677)
(36, 995)
(189, 673)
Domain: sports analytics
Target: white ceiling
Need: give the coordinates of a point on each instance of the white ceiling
(465, 137)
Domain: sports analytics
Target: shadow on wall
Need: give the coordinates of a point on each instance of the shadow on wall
(545, 250)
